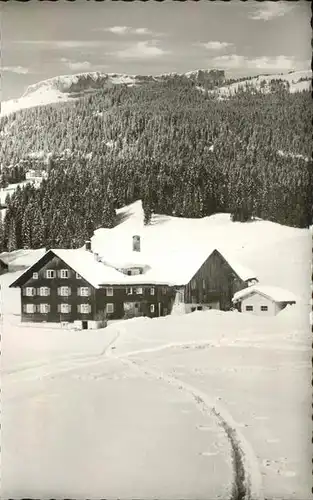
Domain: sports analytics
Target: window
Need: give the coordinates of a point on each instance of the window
(84, 291)
(64, 308)
(64, 291)
(50, 273)
(110, 308)
(29, 308)
(152, 308)
(249, 308)
(139, 291)
(44, 308)
(64, 273)
(129, 290)
(152, 291)
(35, 276)
(109, 291)
(164, 290)
(84, 308)
(30, 291)
(264, 308)
(78, 276)
(44, 291)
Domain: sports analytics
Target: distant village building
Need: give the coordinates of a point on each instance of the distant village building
(263, 300)
(83, 287)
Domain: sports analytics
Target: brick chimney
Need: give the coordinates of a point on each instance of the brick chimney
(88, 246)
(136, 243)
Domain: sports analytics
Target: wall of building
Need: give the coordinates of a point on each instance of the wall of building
(54, 299)
(214, 284)
(256, 301)
(136, 304)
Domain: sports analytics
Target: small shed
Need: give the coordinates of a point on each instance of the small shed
(263, 300)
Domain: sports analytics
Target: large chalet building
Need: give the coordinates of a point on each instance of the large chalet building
(85, 288)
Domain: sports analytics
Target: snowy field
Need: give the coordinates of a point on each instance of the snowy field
(207, 405)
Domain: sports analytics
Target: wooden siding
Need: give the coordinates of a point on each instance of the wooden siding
(162, 300)
(215, 281)
(54, 299)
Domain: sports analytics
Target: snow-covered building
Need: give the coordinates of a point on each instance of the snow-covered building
(84, 286)
(263, 300)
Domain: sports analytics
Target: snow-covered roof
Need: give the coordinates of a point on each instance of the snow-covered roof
(168, 268)
(242, 271)
(272, 292)
(126, 260)
(175, 267)
(87, 266)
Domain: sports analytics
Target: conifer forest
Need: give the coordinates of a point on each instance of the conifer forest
(184, 152)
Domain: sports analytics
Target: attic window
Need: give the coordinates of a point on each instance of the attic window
(264, 308)
(249, 308)
(35, 276)
(64, 273)
(50, 273)
(109, 291)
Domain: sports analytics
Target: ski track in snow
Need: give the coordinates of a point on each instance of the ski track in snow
(247, 482)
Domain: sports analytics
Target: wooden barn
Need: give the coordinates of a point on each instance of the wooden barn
(79, 286)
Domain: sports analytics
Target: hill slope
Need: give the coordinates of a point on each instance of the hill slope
(68, 87)
(183, 152)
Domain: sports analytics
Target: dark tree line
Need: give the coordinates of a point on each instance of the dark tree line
(182, 151)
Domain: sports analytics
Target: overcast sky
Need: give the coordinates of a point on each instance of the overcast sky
(45, 39)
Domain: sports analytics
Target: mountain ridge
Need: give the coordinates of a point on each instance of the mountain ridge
(64, 88)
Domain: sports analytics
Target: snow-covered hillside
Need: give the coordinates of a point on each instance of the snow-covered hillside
(279, 255)
(236, 385)
(295, 81)
(64, 88)
(68, 87)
